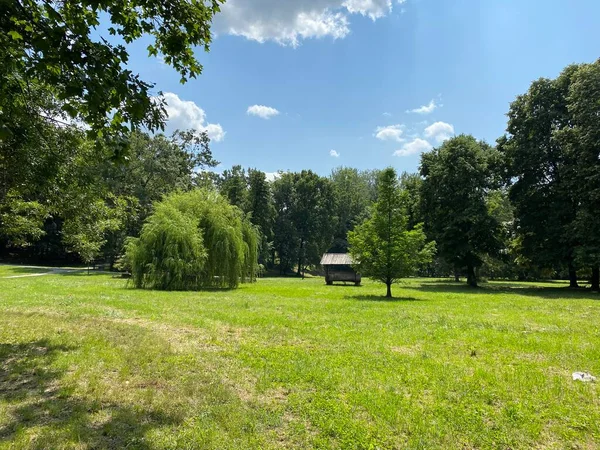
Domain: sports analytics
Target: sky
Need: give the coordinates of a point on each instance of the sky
(316, 84)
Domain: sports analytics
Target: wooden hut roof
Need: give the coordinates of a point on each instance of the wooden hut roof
(337, 259)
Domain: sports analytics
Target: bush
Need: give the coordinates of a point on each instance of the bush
(193, 240)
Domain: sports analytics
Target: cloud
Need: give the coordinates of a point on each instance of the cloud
(440, 131)
(289, 22)
(264, 112)
(334, 154)
(272, 176)
(425, 109)
(413, 147)
(185, 115)
(390, 133)
(387, 114)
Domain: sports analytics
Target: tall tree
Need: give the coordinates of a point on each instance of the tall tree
(581, 140)
(353, 196)
(384, 248)
(538, 171)
(233, 185)
(411, 184)
(456, 179)
(305, 223)
(58, 45)
(261, 210)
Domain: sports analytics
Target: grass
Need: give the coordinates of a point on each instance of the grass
(86, 362)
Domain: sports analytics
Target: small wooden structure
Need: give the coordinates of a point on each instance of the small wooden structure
(338, 267)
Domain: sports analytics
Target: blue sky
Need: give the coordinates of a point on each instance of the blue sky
(343, 75)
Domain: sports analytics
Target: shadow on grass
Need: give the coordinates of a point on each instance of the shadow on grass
(348, 285)
(382, 298)
(35, 399)
(440, 286)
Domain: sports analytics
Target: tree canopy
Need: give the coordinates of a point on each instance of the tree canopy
(457, 177)
(76, 51)
(194, 240)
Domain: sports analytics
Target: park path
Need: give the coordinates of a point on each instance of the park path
(49, 271)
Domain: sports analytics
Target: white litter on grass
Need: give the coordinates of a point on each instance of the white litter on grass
(583, 376)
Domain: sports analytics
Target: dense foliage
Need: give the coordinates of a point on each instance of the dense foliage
(553, 168)
(193, 240)
(456, 180)
(525, 209)
(75, 50)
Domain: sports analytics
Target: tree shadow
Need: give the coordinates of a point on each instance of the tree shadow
(382, 298)
(35, 398)
(440, 286)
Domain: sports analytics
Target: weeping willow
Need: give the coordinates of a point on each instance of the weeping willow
(194, 240)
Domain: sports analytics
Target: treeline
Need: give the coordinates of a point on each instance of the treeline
(524, 209)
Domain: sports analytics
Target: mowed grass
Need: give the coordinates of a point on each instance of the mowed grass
(86, 362)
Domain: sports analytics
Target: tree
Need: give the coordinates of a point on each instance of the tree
(581, 141)
(86, 233)
(285, 234)
(353, 198)
(411, 184)
(194, 240)
(383, 247)
(56, 45)
(305, 223)
(538, 170)
(457, 177)
(233, 185)
(261, 210)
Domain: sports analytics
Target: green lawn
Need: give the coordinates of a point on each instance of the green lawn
(86, 362)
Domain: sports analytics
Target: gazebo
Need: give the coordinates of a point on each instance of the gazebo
(338, 267)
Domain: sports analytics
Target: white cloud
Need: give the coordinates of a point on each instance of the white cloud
(185, 115)
(272, 176)
(387, 114)
(413, 147)
(288, 22)
(262, 111)
(425, 109)
(440, 131)
(334, 154)
(390, 133)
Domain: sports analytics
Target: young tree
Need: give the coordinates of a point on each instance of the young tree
(383, 247)
(456, 180)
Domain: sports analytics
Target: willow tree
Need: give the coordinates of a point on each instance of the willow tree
(194, 240)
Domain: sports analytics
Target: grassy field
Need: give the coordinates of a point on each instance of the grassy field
(86, 362)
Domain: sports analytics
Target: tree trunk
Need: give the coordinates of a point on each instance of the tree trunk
(595, 278)
(389, 289)
(456, 276)
(572, 276)
(300, 259)
(471, 277)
